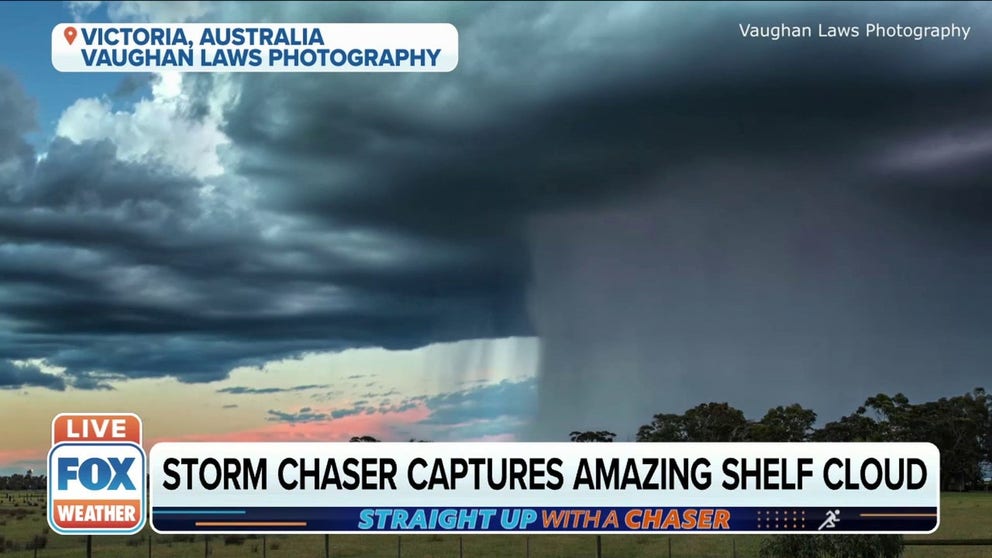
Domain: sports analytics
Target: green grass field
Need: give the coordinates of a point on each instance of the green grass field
(963, 516)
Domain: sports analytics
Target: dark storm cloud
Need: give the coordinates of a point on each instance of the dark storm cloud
(95, 381)
(404, 205)
(13, 376)
(18, 110)
(86, 178)
(949, 193)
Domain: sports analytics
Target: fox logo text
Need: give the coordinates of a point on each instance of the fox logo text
(96, 475)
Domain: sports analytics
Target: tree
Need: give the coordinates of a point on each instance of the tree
(363, 439)
(852, 428)
(666, 427)
(18, 481)
(592, 436)
(893, 417)
(882, 418)
(784, 424)
(716, 422)
(709, 422)
(987, 440)
(958, 426)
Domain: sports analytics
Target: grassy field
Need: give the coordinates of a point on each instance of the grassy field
(963, 516)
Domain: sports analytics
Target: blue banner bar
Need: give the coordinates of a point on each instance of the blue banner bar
(545, 519)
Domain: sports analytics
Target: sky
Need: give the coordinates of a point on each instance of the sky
(608, 210)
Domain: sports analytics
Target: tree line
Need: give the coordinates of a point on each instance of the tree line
(23, 481)
(960, 426)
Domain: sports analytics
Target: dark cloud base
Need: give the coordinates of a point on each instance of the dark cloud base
(14, 377)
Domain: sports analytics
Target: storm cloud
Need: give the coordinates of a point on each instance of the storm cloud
(676, 211)
(13, 376)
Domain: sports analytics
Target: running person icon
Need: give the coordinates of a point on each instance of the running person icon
(833, 516)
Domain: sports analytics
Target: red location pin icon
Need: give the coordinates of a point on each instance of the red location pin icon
(70, 34)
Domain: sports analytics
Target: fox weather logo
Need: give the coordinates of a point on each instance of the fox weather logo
(96, 475)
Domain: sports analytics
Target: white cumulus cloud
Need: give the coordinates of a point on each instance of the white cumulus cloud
(159, 128)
